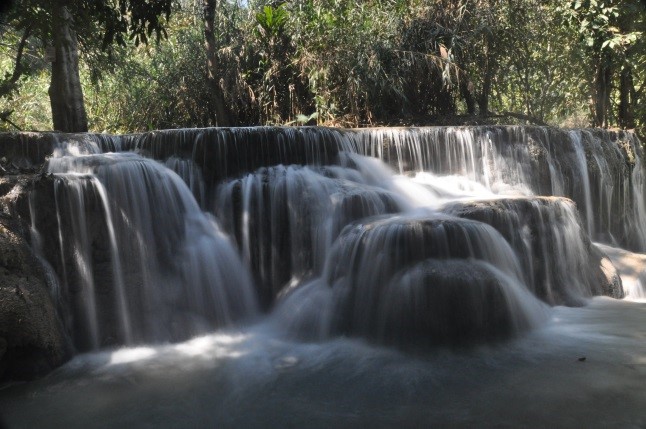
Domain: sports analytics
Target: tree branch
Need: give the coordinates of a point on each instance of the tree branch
(4, 116)
(7, 86)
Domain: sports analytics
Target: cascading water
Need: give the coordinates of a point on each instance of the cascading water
(402, 279)
(285, 219)
(546, 233)
(165, 269)
(356, 266)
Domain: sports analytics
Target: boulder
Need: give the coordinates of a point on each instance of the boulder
(31, 336)
(625, 272)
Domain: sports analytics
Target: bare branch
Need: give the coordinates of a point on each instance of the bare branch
(4, 116)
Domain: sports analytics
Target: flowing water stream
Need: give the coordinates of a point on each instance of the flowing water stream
(277, 277)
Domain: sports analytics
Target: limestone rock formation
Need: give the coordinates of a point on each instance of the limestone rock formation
(558, 259)
(628, 266)
(432, 281)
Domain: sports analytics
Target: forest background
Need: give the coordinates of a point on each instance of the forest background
(132, 65)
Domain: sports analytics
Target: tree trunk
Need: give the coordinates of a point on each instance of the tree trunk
(488, 72)
(222, 114)
(627, 92)
(601, 92)
(466, 90)
(626, 117)
(65, 92)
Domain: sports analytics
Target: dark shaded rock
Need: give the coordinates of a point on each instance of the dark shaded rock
(448, 302)
(25, 151)
(31, 338)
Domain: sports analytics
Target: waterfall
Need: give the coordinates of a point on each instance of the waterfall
(270, 276)
(389, 277)
(140, 260)
(169, 233)
(585, 178)
(548, 237)
(285, 218)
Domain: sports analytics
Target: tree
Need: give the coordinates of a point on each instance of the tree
(222, 114)
(611, 34)
(64, 26)
(65, 91)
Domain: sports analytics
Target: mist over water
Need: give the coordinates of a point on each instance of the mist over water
(256, 378)
(378, 278)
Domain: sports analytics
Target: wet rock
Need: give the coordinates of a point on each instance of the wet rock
(608, 277)
(559, 262)
(429, 281)
(284, 219)
(24, 152)
(448, 302)
(628, 266)
(31, 339)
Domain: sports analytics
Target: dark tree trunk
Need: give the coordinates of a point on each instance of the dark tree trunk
(65, 92)
(222, 113)
(488, 72)
(483, 98)
(626, 99)
(601, 92)
(627, 91)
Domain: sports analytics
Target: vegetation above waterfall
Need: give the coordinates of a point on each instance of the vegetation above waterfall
(226, 62)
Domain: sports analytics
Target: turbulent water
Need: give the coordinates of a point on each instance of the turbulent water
(278, 277)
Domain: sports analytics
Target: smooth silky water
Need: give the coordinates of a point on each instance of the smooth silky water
(340, 254)
(255, 378)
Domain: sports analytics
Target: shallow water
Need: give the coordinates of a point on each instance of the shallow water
(585, 368)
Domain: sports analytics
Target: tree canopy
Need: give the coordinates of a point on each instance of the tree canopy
(225, 62)
(61, 27)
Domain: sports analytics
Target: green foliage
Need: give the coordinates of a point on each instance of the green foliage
(346, 62)
(97, 25)
(272, 20)
(159, 87)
